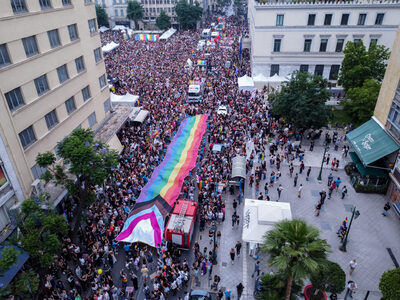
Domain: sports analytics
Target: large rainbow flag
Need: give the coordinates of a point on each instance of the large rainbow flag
(145, 222)
(146, 37)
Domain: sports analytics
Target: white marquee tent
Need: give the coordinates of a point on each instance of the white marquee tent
(245, 83)
(109, 47)
(276, 79)
(119, 27)
(127, 99)
(103, 29)
(166, 35)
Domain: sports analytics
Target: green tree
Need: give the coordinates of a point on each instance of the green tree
(295, 250)
(40, 233)
(273, 287)
(8, 258)
(90, 162)
(188, 14)
(163, 21)
(134, 12)
(359, 64)
(389, 284)
(301, 102)
(360, 101)
(102, 17)
(27, 284)
(330, 278)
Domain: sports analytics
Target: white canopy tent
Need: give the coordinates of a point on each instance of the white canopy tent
(119, 28)
(260, 81)
(239, 167)
(128, 99)
(103, 29)
(109, 47)
(245, 83)
(166, 35)
(260, 216)
(276, 79)
(141, 116)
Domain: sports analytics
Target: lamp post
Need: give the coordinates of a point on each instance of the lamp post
(355, 214)
(319, 178)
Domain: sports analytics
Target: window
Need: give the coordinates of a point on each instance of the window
(328, 19)
(339, 45)
(274, 70)
(66, 2)
(333, 74)
(45, 4)
(54, 38)
(88, 1)
(303, 68)
(97, 54)
(70, 105)
(92, 119)
(86, 93)
(14, 99)
(27, 137)
(18, 6)
(41, 85)
(356, 41)
(379, 19)
(116, 12)
(107, 106)
(279, 20)
(373, 41)
(361, 19)
(92, 26)
(30, 46)
(277, 45)
(62, 73)
(323, 45)
(319, 70)
(102, 81)
(37, 171)
(307, 45)
(311, 20)
(345, 19)
(73, 32)
(51, 119)
(58, 157)
(80, 66)
(4, 57)
(121, 12)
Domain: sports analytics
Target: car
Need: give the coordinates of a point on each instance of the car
(199, 295)
(222, 110)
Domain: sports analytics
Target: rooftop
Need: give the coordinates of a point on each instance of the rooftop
(321, 4)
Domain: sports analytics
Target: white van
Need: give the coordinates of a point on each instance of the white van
(206, 34)
(214, 34)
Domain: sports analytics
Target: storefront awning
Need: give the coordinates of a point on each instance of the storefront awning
(371, 142)
(239, 167)
(366, 171)
(9, 274)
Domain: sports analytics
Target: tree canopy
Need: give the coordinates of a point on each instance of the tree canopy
(330, 278)
(134, 12)
(102, 17)
(295, 250)
(273, 287)
(360, 64)
(360, 102)
(301, 102)
(389, 284)
(90, 161)
(188, 14)
(163, 21)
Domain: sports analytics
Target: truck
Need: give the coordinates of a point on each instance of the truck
(195, 92)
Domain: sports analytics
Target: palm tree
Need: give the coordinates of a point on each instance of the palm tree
(295, 250)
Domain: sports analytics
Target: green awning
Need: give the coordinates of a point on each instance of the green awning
(366, 171)
(371, 142)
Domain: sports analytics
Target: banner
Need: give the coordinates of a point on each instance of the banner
(146, 37)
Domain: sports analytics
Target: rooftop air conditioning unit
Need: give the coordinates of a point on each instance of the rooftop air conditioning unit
(38, 187)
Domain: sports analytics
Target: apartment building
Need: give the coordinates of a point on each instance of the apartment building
(310, 37)
(52, 80)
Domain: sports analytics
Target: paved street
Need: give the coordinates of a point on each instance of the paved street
(370, 236)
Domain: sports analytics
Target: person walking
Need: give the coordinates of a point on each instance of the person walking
(228, 294)
(300, 190)
(386, 209)
(330, 179)
(301, 167)
(295, 179)
(239, 290)
(353, 265)
(318, 208)
(338, 182)
(351, 288)
(238, 246)
(291, 170)
(266, 188)
(232, 254)
(256, 269)
(328, 158)
(337, 165)
(279, 189)
(308, 173)
(234, 204)
(322, 195)
(330, 190)
(344, 191)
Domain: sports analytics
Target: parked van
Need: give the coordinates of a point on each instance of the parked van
(206, 34)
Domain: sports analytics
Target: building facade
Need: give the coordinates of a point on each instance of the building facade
(52, 80)
(310, 37)
(387, 112)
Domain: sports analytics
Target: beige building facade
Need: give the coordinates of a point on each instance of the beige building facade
(52, 80)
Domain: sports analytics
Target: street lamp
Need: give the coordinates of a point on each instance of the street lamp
(319, 178)
(355, 214)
